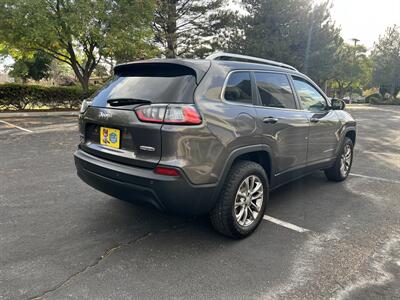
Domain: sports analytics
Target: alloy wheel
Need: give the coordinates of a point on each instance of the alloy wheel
(249, 200)
(345, 161)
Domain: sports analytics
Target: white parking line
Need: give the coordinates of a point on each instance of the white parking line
(374, 178)
(285, 224)
(380, 153)
(20, 128)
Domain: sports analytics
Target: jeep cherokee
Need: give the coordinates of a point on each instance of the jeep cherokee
(210, 136)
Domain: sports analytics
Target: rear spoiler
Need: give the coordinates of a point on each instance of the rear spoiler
(165, 67)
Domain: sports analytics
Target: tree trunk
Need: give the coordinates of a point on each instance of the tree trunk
(82, 73)
(85, 84)
(341, 90)
(82, 78)
(171, 29)
(394, 82)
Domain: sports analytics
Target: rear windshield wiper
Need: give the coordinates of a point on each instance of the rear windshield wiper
(126, 101)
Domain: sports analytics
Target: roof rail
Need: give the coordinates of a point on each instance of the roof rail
(245, 58)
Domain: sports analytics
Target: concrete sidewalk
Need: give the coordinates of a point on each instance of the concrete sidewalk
(38, 114)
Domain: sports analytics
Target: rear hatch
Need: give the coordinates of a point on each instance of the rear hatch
(110, 125)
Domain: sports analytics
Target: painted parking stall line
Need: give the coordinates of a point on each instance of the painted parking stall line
(375, 178)
(15, 126)
(285, 224)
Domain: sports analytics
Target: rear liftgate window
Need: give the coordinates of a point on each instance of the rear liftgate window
(154, 83)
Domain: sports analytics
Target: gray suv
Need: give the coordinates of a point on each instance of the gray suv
(210, 136)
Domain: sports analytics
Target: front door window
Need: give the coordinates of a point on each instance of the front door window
(310, 98)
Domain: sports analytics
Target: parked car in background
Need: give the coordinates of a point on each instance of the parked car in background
(347, 100)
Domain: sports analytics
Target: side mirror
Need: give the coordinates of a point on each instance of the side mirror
(337, 104)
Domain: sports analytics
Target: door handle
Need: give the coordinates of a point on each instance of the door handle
(270, 120)
(314, 120)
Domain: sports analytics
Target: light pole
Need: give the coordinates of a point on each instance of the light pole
(355, 40)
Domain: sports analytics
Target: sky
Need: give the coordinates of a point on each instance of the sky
(365, 19)
(361, 19)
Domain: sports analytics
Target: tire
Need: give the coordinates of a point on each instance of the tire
(336, 172)
(224, 216)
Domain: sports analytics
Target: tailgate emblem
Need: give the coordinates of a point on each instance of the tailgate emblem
(104, 115)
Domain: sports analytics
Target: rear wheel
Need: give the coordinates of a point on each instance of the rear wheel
(242, 202)
(342, 166)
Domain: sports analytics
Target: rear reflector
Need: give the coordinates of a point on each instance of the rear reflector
(166, 171)
(180, 114)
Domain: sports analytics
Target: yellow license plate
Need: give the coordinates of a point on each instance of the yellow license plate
(110, 137)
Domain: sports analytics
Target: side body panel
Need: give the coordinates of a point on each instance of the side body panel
(232, 128)
(202, 151)
(324, 136)
(287, 139)
(347, 125)
(324, 132)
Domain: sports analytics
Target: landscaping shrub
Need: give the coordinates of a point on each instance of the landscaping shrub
(378, 99)
(22, 96)
(394, 101)
(375, 98)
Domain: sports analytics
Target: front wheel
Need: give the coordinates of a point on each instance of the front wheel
(342, 166)
(242, 202)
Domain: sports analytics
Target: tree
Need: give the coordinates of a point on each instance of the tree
(386, 60)
(101, 71)
(186, 28)
(352, 69)
(323, 42)
(35, 67)
(291, 31)
(61, 73)
(77, 32)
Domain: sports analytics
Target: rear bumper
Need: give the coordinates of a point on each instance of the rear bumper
(133, 184)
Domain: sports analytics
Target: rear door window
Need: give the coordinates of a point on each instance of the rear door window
(275, 90)
(238, 88)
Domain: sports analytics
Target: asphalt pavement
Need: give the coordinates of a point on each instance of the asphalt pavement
(61, 239)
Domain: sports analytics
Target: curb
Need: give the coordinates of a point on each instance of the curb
(39, 114)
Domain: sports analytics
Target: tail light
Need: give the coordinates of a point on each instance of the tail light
(183, 114)
(84, 106)
(151, 113)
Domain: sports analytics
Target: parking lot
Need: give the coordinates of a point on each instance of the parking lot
(60, 239)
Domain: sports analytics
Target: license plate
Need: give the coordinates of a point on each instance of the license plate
(110, 137)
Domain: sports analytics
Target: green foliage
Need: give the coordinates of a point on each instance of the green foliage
(378, 99)
(388, 89)
(291, 31)
(22, 96)
(77, 32)
(36, 67)
(324, 40)
(185, 28)
(394, 101)
(61, 74)
(375, 98)
(101, 71)
(386, 60)
(351, 69)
